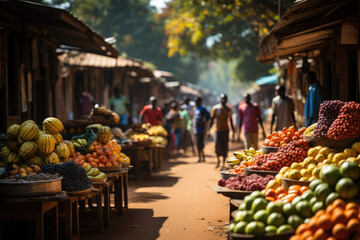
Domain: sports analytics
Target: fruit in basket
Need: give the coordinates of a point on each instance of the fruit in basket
(35, 160)
(52, 125)
(281, 138)
(346, 188)
(255, 227)
(27, 122)
(104, 135)
(28, 149)
(79, 142)
(70, 146)
(62, 151)
(29, 132)
(58, 138)
(347, 123)
(310, 130)
(13, 158)
(52, 158)
(330, 175)
(12, 145)
(46, 143)
(13, 131)
(4, 152)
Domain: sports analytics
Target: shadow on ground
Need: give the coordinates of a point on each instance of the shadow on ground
(134, 224)
(146, 197)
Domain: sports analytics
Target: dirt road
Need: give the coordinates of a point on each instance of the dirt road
(176, 203)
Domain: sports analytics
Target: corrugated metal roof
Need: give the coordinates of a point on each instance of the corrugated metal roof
(59, 25)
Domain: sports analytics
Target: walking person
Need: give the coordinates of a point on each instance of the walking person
(121, 105)
(186, 123)
(151, 114)
(313, 99)
(173, 117)
(250, 116)
(283, 110)
(221, 114)
(201, 118)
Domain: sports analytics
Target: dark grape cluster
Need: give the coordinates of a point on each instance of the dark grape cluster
(74, 177)
(329, 110)
(347, 124)
(295, 151)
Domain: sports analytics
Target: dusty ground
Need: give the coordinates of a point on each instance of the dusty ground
(176, 203)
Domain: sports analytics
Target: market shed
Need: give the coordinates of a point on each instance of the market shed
(324, 36)
(30, 36)
(99, 75)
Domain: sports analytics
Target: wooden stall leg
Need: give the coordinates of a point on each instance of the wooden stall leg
(99, 212)
(118, 194)
(106, 191)
(75, 217)
(138, 164)
(55, 223)
(39, 214)
(150, 152)
(126, 178)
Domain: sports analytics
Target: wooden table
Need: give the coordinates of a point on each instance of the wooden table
(32, 208)
(134, 152)
(95, 193)
(104, 188)
(69, 210)
(116, 179)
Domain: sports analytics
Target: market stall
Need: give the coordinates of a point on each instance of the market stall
(307, 184)
(40, 169)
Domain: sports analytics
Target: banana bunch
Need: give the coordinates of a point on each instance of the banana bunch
(79, 143)
(310, 130)
(247, 155)
(95, 173)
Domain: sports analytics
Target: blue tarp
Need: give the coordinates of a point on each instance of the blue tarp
(272, 79)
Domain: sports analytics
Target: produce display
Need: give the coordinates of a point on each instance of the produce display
(157, 131)
(32, 178)
(340, 220)
(144, 133)
(74, 176)
(295, 151)
(242, 160)
(158, 140)
(282, 194)
(80, 142)
(246, 183)
(259, 216)
(283, 137)
(140, 137)
(23, 170)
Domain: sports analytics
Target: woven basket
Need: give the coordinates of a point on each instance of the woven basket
(248, 172)
(287, 182)
(338, 144)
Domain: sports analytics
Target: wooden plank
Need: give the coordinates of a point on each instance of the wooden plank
(233, 194)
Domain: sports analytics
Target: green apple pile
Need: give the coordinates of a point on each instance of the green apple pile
(258, 216)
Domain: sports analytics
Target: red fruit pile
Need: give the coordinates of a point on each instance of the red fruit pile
(329, 110)
(295, 151)
(347, 124)
(242, 182)
(283, 137)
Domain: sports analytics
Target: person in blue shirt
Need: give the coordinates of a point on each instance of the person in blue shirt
(201, 118)
(313, 99)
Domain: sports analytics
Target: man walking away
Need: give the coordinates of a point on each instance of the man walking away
(221, 113)
(201, 117)
(250, 116)
(313, 99)
(283, 110)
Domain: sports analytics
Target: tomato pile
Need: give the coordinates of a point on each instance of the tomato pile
(347, 124)
(329, 110)
(283, 137)
(280, 194)
(295, 151)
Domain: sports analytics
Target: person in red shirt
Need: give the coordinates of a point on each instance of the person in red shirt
(249, 115)
(151, 114)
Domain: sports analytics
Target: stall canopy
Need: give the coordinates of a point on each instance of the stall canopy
(61, 27)
(306, 25)
(272, 79)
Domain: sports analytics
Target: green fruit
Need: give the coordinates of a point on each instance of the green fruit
(322, 191)
(246, 216)
(295, 221)
(257, 194)
(240, 227)
(303, 209)
(347, 188)
(284, 229)
(289, 209)
(330, 174)
(308, 195)
(270, 229)
(313, 201)
(231, 227)
(275, 219)
(317, 206)
(242, 206)
(261, 216)
(256, 228)
(350, 170)
(259, 204)
(248, 200)
(274, 207)
(296, 200)
(314, 184)
(331, 198)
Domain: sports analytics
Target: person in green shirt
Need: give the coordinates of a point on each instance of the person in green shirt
(186, 139)
(121, 105)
